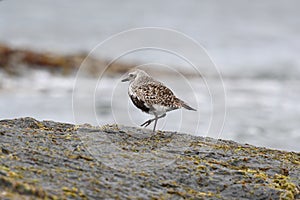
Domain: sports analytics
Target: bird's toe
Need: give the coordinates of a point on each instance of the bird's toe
(147, 123)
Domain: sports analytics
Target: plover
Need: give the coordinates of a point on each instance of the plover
(152, 96)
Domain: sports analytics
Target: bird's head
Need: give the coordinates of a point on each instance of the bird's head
(134, 74)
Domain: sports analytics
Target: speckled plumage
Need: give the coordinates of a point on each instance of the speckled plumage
(152, 96)
(156, 93)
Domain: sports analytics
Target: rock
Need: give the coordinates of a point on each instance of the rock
(45, 159)
(20, 61)
(16, 61)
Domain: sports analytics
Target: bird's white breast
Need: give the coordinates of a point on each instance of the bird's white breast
(130, 91)
(158, 109)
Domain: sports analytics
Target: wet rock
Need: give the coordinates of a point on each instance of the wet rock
(20, 61)
(46, 159)
(17, 61)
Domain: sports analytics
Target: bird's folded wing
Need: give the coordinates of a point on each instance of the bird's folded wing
(157, 93)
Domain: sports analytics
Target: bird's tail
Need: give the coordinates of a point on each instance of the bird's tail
(184, 105)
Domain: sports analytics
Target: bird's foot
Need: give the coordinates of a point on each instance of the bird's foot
(147, 123)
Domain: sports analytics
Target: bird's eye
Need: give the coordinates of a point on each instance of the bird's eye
(131, 75)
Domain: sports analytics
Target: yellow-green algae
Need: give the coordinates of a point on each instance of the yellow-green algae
(72, 165)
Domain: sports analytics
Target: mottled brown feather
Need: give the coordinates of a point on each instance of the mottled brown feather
(157, 94)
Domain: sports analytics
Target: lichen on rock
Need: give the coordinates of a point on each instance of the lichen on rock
(51, 160)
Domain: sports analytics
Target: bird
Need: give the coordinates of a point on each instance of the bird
(152, 96)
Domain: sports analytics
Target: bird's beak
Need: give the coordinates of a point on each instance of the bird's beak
(126, 79)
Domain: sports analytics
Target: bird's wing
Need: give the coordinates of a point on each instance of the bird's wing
(157, 94)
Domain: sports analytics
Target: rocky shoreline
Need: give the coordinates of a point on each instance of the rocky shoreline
(18, 61)
(14, 60)
(51, 160)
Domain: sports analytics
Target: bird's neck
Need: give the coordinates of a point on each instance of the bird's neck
(141, 80)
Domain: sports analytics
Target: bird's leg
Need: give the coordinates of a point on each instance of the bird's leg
(148, 122)
(155, 124)
(156, 119)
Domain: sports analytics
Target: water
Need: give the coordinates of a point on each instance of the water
(255, 44)
(262, 112)
(246, 39)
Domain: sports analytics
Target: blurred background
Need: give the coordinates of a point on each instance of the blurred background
(255, 44)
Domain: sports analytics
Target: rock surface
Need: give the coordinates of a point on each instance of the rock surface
(63, 161)
(14, 61)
